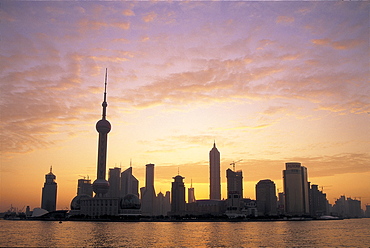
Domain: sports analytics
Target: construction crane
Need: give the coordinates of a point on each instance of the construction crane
(234, 162)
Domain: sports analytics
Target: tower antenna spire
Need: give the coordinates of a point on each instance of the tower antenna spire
(105, 96)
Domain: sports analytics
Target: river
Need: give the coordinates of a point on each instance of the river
(333, 233)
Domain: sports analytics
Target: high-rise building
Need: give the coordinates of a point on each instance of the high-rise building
(318, 203)
(114, 180)
(191, 195)
(234, 191)
(178, 196)
(266, 198)
(214, 174)
(49, 192)
(148, 196)
(296, 189)
(101, 185)
(129, 183)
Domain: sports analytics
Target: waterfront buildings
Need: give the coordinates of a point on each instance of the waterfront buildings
(49, 192)
(214, 174)
(347, 207)
(266, 198)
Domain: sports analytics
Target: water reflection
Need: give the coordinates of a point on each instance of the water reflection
(354, 233)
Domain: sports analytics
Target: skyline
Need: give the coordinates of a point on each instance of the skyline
(270, 82)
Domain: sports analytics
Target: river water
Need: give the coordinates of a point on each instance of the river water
(333, 233)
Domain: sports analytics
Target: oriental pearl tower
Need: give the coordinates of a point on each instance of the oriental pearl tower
(101, 185)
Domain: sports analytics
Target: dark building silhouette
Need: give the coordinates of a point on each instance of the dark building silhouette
(178, 196)
(191, 195)
(266, 198)
(318, 203)
(84, 187)
(101, 185)
(234, 192)
(214, 174)
(347, 208)
(296, 189)
(49, 192)
(163, 203)
(148, 196)
(114, 180)
(129, 183)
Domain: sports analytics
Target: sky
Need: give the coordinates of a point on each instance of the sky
(269, 82)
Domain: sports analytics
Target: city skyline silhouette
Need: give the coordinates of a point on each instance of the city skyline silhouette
(270, 83)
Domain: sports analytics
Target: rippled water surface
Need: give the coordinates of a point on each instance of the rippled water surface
(335, 233)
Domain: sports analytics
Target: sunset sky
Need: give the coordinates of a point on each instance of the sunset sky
(269, 82)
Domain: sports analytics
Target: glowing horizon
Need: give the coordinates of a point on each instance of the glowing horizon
(270, 82)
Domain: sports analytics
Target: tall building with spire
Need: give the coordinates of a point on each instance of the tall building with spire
(49, 192)
(102, 204)
(101, 185)
(214, 174)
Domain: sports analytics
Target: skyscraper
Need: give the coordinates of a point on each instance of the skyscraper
(178, 195)
(49, 192)
(266, 198)
(101, 185)
(148, 196)
(129, 183)
(234, 191)
(114, 182)
(214, 174)
(296, 189)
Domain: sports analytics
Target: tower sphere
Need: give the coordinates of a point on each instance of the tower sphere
(101, 186)
(103, 126)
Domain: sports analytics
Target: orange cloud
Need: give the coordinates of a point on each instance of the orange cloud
(339, 45)
(128, 12)
(150, 17)
(284, 19)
